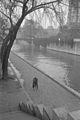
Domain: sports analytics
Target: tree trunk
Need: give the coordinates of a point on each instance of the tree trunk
(6, 48)
(5, 67)
(4, 45)
(6, 56)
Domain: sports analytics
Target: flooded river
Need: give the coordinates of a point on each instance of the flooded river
(63, 67)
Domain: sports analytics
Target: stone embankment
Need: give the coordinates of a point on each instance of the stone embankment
(65, 105)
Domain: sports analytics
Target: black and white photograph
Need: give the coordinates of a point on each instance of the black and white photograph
(39, 59)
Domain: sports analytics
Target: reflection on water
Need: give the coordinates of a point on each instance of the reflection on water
(63, 67)
(56, 70)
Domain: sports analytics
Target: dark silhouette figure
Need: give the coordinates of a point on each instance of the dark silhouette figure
(35, 83)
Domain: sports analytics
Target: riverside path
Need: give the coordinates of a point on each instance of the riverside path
(11, 93)
(49, 93)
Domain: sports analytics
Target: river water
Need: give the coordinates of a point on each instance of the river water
(63, 67)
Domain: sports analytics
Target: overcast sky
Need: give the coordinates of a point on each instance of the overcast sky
(44, 19)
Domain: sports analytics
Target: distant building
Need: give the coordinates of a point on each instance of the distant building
(74, 14)
(74, 18)
(32, 29)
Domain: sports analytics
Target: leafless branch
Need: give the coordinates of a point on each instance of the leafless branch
(42, 5)
(18, 1)
(5, 14)
(27, 1)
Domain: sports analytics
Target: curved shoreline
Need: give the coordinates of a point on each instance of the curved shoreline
(72, 91)
(64, 51)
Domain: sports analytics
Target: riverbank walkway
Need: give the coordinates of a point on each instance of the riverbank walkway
(11, 93)
(49, 93)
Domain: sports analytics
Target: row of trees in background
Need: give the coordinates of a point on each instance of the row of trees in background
(32, 29)
(15, 11)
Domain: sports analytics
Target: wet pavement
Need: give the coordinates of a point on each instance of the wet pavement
(49, 93)
(63, 67)
(11, 93)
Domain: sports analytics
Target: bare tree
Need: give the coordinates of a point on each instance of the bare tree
(16, 11)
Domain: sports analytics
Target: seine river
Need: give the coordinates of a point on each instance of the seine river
(63, 67)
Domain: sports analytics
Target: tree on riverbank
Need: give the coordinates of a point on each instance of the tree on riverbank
(15, 11)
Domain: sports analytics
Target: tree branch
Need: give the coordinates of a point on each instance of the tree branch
(43, 4)
(65, 4)
(19, 1)
(24, 7)
(27, 1)
(5, 14)
(39, 7)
